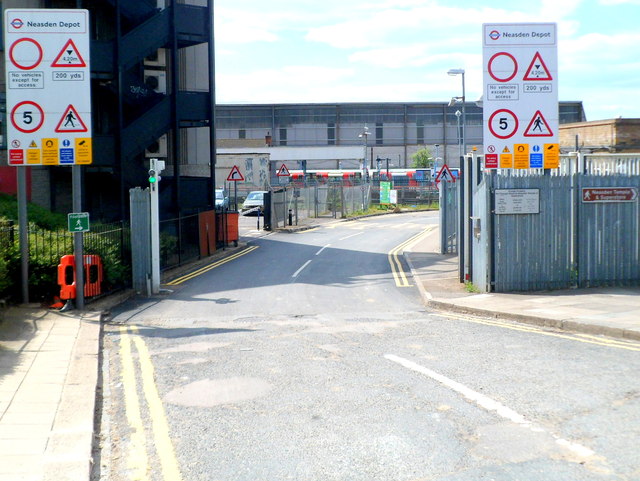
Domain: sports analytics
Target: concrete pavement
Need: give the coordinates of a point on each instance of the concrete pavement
(612, 311)
(49, 361)
(48, 381)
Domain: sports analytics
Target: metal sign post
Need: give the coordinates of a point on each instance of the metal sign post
(48, 79)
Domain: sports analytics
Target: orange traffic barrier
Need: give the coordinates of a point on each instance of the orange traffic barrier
(93, 276)
(67, 277)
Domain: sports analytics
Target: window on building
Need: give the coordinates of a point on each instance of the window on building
(283, 136)
(379, 133)
(331, 133)
(242, 134)
(420, 132)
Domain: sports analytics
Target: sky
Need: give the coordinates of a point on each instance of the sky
(327, 51)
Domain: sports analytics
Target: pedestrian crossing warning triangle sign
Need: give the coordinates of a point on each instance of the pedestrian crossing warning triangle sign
(283, 172)
(71, 121)
(235, 175)
(69, 56)
(537, 69)
(538, 127)
(444, 175)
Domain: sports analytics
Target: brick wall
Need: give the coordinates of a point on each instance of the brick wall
(612, 135)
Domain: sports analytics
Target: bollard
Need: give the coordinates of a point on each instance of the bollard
(290, 217)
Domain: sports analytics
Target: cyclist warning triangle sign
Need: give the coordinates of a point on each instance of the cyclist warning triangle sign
(235, 175)
(69, 56)
(283, 172)
(537, 69)
(71, 121)
(538, 127)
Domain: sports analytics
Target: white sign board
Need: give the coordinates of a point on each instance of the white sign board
(517, 201)
(48, 80)
(520, 79)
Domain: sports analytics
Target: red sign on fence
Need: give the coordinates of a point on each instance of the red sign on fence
(609, 194)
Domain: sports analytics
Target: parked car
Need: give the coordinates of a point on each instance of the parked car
(222, 199)
(255, 198)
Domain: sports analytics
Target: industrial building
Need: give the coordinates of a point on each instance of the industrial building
(153, 96)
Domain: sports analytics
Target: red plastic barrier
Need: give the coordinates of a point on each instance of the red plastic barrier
(93, 276)
(67, 277)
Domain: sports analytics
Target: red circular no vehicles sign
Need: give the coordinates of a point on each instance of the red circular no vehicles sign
(25, 53)
(502, 67)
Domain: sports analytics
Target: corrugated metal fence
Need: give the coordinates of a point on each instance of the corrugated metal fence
(574, 240)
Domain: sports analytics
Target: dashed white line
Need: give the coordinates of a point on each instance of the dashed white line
(295, 274)
(322, 249)
(352, 235)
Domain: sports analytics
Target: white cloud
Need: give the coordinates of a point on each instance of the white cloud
(286, 84)
(619, 2)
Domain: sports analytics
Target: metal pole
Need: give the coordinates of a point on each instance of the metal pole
(155, 235)
(78, 244)
(464, 118)
(212, 105)
(23, 225)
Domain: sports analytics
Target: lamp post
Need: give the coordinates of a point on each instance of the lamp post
(365, 133)
(460, 71)
(464, 208)
(458, 114)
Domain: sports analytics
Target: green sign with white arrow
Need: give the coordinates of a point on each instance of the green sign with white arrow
(78, 222)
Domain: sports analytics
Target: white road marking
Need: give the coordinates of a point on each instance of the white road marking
(295, 274)
(322, 249)
(352, 235)
(489, 404)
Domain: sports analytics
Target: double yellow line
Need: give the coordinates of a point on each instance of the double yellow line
(396, 265)
(584, 338)
(138, 460)
(207, 268)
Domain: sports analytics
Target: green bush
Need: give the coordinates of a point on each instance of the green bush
(45, 249)
(38, 215)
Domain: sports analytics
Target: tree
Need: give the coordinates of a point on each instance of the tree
(422, 159)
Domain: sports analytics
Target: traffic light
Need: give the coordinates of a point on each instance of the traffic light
(155, 167)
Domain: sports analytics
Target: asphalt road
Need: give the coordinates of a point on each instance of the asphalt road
(311, 357)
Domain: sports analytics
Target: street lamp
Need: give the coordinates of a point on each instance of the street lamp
(365, 133)
(458, 114)
(460, 71)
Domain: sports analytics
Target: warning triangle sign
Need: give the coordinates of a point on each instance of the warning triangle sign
(71, 121)
(33, 145)
(506, 150)
(69, 56)
(235, 175)
(445, 175)
(538, 127)
(283, 172)
(537, 69)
